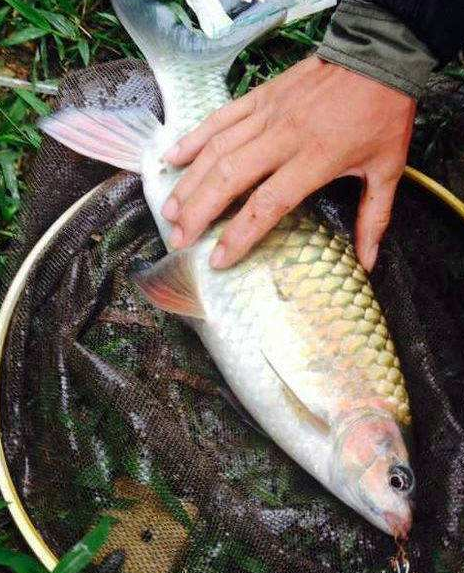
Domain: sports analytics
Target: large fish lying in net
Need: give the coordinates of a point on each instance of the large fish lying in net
(295, 328)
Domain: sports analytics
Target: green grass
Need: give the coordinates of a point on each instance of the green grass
(77, 559)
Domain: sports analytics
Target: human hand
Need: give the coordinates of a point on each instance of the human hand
(314, 123)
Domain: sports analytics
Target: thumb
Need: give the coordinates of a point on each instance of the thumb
(373, 217)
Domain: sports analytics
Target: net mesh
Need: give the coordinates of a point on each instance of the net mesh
(111, 406)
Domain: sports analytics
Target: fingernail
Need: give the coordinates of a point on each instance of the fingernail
(217, 257)
(370, 257)
(176, 237)
(172, 153)
(170, 209)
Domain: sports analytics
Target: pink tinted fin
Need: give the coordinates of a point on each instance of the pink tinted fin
(115, 136)
(170, 285)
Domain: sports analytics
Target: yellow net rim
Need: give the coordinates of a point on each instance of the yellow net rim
(30, 533)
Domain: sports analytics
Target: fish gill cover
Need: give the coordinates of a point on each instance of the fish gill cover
(109, 405)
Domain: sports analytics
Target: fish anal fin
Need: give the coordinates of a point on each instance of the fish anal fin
(170, 285)
(302, 409)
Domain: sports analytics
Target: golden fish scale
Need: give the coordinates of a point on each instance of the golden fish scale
(318, 272)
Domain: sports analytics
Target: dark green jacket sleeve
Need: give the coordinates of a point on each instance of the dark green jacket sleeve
(368, 39)
(438, 23)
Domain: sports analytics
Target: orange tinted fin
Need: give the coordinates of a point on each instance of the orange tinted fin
(170, 285)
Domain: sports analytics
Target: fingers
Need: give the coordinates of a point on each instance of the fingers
(231, 176)
(267, 205)
(188, 147)
(218, 148)
(373, 218)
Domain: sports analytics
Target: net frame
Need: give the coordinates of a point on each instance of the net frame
(11, 496)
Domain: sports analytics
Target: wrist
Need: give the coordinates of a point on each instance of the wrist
(369, 40)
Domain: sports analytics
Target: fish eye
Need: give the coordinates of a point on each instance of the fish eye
(401, 478)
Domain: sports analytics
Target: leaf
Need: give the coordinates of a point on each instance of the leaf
(85, 550)
(4, 13)
(24, 35)
(59, 47)
(84, 51)
(245, 82)
(19, 562)
(61, 24)
(13, 139)
(455, 72)
(33, 136)
(109, 17)
(297, 36)
(3, 504)
(36, 103)
(8, 167)
(67, 6)
(44, 57)
(18, 110)
(30, 13)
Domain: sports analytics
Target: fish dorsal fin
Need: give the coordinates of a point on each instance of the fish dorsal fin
(170, 284)
(301, 404)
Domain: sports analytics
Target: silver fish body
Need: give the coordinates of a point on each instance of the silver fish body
(295, 328)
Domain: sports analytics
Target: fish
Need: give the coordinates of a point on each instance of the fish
(294, 328)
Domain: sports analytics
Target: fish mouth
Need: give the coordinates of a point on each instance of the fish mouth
(399, 526)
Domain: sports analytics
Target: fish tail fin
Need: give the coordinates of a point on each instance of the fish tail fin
(161, 38)
(118, 136)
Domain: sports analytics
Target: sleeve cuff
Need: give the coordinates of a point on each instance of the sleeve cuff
(369, 40)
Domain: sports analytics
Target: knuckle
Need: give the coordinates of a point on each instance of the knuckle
(231, 238)
(215, 117)
(226, 168)
(253, 101)
(217, 145)
(382, 219)
(290, 120)
(267, 204)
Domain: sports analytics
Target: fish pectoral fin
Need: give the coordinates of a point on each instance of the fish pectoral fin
(302, 408)
(170, 285)
(115, 136)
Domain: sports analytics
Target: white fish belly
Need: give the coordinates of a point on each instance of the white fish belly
(233, 335)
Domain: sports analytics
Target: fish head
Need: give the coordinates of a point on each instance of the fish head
(373, 472)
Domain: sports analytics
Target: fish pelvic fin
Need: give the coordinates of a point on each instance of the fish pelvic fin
(157, 32)
(116, 136)
(170, 285)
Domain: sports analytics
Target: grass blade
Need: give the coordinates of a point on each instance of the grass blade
(19, 562)
(61, 24)
(8, 167)
(4, 13)
(36, 103)
(24, 35)
(30, 13)
(83, 552)
(84, 51)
